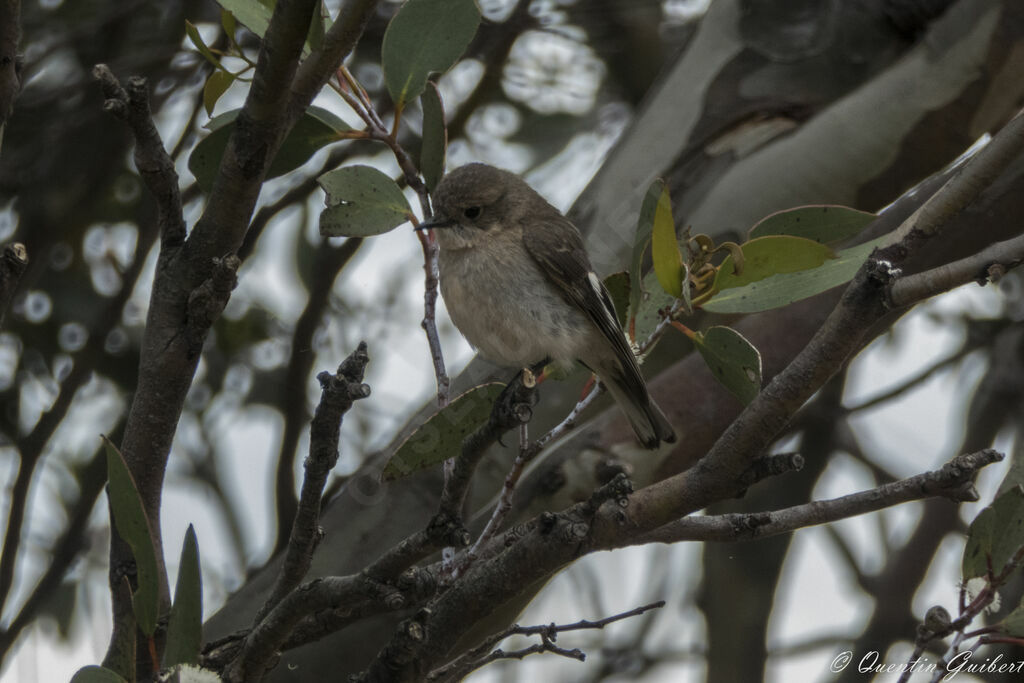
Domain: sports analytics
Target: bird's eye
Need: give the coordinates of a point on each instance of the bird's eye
(472, 212)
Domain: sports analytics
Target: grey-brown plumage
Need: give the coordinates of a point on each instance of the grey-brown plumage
(518, 284)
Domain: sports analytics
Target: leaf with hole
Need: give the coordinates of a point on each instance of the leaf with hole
(785, 288)
(824, 223)
(425, 36)
(316, 129)
(441, 436)
(435, 137)
(361, 201)
(732, 360)
(185, 626)
(133, 526)
(665, 254)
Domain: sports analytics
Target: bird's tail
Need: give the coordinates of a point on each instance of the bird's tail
(649, 423)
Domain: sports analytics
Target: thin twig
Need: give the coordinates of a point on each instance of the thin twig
(479, 656)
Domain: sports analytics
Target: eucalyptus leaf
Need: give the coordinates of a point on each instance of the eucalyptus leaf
(785, 288)
(185, 627)
(644, 227)
(435, 137)
(361, 201)
(197, 40)
(252, 14)
(665, 254)
(1013, 624)
(771, 255)
(425, 36)
(134, 528)
(995, 535)
(648, 314)
(617, 285)
(824, 223)
(216, 85)
(316, 128)
(732, 360)
(441, 436)
(96, 674)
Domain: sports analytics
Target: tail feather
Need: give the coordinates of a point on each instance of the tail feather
(649, 423)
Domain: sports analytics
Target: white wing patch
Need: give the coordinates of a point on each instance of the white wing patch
(602, 296)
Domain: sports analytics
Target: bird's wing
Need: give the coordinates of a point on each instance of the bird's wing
(558, 250)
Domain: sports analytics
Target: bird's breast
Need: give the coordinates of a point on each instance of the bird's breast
(505, 307)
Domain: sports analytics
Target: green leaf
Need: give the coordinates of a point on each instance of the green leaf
(361, 201)
(665, 254)
(995, 536)
(441, 436)
(134, 528)
(780, 290)
(423, 37)
(435, 137)
(193, 35)
(317, 28)
(824, 223)
(96, 674)
(617, 285)
(254, 15)
(227, 21)
(216, 85)
(185, 627)
(771, 255)
(1013, 624)
(647, 316)
(316, 128)
(732, 359)
(644, 227)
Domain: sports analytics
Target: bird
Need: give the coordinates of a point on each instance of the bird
(519, 286)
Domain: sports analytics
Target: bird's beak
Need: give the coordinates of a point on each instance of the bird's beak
(434, 222)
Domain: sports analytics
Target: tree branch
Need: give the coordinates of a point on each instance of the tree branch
(339, 391)
(13, 262)
(953, 481)
(989, 264)
(156, 167)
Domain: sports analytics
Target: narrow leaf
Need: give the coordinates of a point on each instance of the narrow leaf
(668, 261)
(824, 223)
(317, 28)
(441, 436)
(216, 85)
(228, 22)
(435, 137)
(185, 627)
(425, 36)
(733, 361)
(617, 285)
(96, 674)
(134, 528)
(316, 128)
(780, 290)
(644, 227)
(361, 201)
(196, 39)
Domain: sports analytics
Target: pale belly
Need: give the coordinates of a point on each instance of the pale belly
(514, 321)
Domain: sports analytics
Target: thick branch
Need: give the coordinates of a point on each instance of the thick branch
(10, 63)
(339, 391)
(953, 481)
